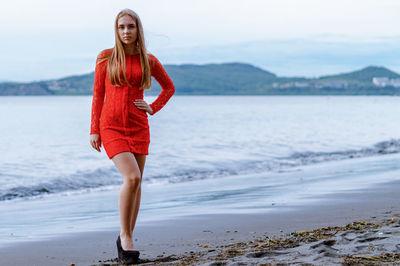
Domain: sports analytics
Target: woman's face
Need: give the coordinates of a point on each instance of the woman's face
(127, 30)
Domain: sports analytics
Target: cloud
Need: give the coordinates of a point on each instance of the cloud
(300, 57)
(43, 38)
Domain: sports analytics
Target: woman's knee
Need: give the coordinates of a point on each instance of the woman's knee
(133, 180)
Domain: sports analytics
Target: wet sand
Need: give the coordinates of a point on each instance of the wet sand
(285, 235)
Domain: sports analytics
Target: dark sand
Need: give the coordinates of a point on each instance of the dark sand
(205, 239)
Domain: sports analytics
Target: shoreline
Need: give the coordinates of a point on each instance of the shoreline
(181, 236)
(344, 245)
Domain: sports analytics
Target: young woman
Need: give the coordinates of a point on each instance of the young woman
(119, 116)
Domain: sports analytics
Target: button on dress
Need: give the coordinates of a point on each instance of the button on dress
(121, 125)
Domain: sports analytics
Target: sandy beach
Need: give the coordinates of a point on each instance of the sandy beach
(358, 224)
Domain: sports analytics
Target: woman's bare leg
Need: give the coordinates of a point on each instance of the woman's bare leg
(130, 171)
(141, 160)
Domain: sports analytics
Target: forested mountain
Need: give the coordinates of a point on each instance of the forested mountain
(227, 79)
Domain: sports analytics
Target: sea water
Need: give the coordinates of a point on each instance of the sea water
(208, 154)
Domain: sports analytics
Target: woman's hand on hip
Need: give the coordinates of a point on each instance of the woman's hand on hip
(95, 141)
(142, 105)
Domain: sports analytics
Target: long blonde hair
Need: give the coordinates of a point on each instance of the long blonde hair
(116, 59)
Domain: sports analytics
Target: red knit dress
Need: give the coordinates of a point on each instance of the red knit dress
(121, 125)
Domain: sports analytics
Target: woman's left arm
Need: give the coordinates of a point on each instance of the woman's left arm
(168, 88)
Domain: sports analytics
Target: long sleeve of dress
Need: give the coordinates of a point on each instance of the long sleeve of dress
(98, 95)
(161, 76)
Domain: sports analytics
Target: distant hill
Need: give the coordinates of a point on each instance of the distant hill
(226, 79)
(365, 74)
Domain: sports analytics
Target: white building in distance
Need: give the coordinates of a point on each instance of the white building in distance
(380, 81)
(385, 81)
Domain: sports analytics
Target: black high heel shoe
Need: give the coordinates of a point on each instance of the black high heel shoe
(127, 256)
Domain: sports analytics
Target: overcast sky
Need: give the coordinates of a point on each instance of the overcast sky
(45, 39)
